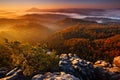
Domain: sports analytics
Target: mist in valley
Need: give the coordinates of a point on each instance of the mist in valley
(36, 26)
(29, 27)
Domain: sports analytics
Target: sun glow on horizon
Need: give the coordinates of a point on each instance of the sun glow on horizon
(22, 5)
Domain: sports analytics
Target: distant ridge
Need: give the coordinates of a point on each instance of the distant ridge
(33, 10)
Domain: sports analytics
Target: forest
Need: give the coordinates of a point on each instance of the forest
(29, 58)
(89, 40)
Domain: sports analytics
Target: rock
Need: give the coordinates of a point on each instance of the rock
(75, 62)
(3, 72)
(72, 68)
(53, 76)
(114, 70)
(15, 74)
(85, 70)
(63, 56)
(102, 63)
(68, 77)
(80, 68)
(116, 61)
(105, 71)
(115, 77)
(70, 55)
(12, 71)
(38, 77)
(48, 74)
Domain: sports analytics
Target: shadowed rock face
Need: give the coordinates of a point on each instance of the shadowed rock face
(15, 74)
(106, 71)
(3, 72)
(55, 76)
(72, 68)
(80, 68)
(85, 70)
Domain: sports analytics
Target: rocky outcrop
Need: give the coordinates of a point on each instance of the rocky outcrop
(116, 61)
(85, 70)
(102, 63)
(15, 74)
(106, 71)
(72, 68)
(3, 72)
(55, 76)
(80, 68)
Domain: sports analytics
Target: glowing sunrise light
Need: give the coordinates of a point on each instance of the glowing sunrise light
(18, 5)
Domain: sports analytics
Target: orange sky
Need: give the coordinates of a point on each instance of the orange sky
(54, 4)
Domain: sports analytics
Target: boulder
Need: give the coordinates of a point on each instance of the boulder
(63, 56)
(53, 76)
(78, 67)
(38, 77)
(105, 71)
(15, 74)
(116, 61)
(70, 55)
(102, 63)
(12, 71)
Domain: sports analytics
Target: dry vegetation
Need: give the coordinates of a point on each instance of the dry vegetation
(89, 40)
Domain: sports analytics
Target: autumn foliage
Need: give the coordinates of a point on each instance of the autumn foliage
(90, 41)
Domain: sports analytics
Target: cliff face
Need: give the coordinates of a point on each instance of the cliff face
(73, 68)
(106, 71)
(78, 67)
(85, 70)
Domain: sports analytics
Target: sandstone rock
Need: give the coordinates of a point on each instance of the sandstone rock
(105, 71)
(116, 61)
(78, 67)
(51, 76)
(70, 55)
(73, 68)
(12, 71)
(15, 74)
(3, 72)
(102, 63)
(114, 70)
(63, 56)
(38, 77)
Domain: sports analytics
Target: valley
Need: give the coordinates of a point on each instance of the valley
(72, 43)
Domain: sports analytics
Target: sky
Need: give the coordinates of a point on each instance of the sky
(54, 4)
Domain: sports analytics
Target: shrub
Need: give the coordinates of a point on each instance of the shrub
(30, 58)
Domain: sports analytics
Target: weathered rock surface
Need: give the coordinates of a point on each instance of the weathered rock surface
(116, 61)
(15, 74)
(3, 72)
(55, 76)
(85, 70)
(105, 71)
(72, 68)
(80, 68)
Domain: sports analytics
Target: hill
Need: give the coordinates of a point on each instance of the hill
(30, 27)
(67, 22)
(33, 10)
(43, 17)
(81, 38)
(23, 30)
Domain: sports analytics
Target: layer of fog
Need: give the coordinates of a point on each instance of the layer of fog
(107, 14)
(8, 31)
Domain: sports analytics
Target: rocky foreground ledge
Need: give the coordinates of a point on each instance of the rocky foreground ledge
(72, 68)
